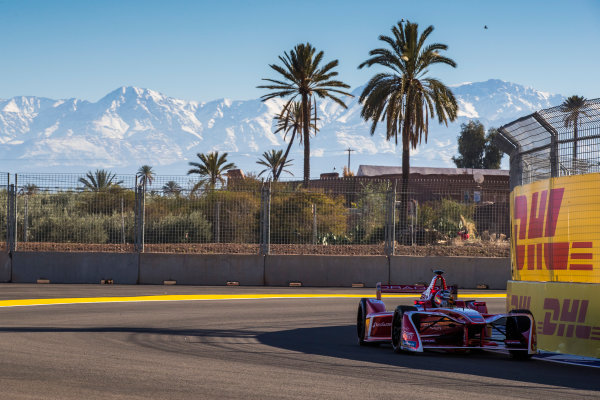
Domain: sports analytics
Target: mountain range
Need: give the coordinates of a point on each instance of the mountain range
(130, 127)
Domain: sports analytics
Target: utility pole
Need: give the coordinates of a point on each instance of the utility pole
(349, 150)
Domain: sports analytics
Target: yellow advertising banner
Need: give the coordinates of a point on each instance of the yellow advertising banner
(556, 230)
(567, 315)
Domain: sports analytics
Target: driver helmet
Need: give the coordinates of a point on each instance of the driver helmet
(443, 298)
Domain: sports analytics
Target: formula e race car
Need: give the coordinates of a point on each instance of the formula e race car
(439, 321)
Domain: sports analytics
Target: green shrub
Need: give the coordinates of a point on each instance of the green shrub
(188, 228)
(444, 216)
(292, 219)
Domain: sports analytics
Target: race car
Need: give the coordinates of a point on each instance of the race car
(439, 321)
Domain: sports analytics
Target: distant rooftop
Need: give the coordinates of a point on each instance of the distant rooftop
(379, 170)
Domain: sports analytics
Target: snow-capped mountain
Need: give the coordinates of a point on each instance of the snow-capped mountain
(130, 127)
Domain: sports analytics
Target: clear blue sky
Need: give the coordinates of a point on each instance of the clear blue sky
(204, 50)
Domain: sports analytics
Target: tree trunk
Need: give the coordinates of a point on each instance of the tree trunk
(405, 175)
(285, 155)
(404, 188)
(306, 128)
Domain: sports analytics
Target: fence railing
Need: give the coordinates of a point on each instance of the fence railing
(49, 212)
(554, 142)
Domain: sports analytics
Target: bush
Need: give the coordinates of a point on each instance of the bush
(237, 219)
(292, 219)
(187, 228)
(444, 216)
(68, 228)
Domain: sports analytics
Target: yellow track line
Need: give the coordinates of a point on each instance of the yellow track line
(83, 300)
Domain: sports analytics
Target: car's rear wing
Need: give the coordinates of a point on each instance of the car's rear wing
(407, 289)
(398, 289)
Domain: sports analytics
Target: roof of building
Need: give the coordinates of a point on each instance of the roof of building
(379, 170)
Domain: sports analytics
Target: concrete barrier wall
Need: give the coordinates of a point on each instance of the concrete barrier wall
(325, 270)
(28, 267)
(201, 269)
(466, 272)
(5, 266)
(249, 270)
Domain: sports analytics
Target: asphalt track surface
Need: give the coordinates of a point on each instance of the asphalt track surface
(269, 348)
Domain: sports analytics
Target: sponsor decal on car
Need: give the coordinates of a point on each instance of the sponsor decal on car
(407, 335)
(381, 324)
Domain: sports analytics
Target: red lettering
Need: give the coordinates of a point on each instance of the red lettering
(531, 256)
(556, 196)
(581, 267)
(539, 253)
(556, 255)
(582, 245)
(571, 309)
(521, 215)
(570, 329)
(548, 327)
(514, 301)
(583, 311)
(536, 217)
(520, 250)
(569, 315)
(581, 256)
(583, 331)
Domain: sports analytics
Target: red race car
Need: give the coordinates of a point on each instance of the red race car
(438, 321)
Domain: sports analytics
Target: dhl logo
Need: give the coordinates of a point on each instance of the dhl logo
(520, 302)
(539, 223)
(567, 319)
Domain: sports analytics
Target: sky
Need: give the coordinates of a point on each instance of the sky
(206, 50)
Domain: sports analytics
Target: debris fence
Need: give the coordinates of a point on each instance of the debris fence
(553, 142)
(125, 213)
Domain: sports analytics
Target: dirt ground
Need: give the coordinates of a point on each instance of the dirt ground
(458, 248)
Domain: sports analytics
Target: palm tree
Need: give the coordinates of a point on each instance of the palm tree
(290, 119)
(275, 162)
(303, 77)
(211, 168)
(574, 108)
(171, 188)
(405, 96)
(146, 176)
(99, 180)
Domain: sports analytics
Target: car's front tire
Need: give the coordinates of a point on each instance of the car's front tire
(397, 326)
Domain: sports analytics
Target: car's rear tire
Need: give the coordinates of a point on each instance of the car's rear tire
(361, 318)
(513, 332)
(397, 326)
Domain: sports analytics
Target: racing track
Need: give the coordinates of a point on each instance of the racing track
(254, 348)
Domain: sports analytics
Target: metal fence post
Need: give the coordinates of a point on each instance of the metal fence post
(140, 206)
(265, 219)
(8, 212)
(390, 221)
(11, 228)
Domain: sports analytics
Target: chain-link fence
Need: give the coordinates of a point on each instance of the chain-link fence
(4, 187)
(68, 212)
(558, 141)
